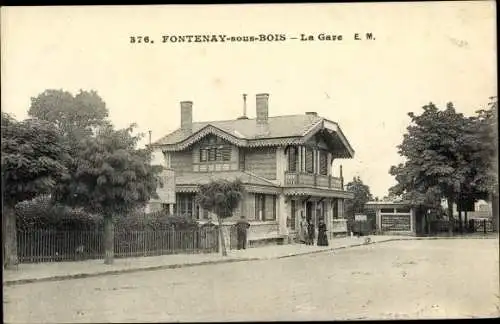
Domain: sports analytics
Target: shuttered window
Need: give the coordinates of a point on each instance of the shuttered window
(219, 153)
(226, 154)
(309, 160)
(212, 154)
(292, 159)
(323, 163)
(203, 155)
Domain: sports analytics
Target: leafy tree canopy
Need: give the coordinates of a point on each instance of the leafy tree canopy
(220, 196)
(32, 159)
(447, 155)
(110, 175)
(72, 115)
(362, 195)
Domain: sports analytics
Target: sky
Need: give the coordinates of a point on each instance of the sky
(421, 52)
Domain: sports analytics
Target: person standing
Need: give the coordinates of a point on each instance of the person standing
(311, 232)
(322, 237)
(241, 233)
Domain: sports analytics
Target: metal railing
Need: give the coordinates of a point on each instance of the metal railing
(53, 246)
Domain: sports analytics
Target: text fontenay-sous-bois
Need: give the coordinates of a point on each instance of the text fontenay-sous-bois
(223, 38)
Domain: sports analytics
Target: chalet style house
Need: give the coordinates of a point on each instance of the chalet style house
(284, 162)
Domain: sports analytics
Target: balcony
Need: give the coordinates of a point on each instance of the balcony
(293, 179)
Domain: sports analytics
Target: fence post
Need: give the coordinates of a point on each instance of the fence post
(484, 225)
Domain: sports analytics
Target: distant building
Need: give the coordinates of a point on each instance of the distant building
(482, 209)
(285, 163)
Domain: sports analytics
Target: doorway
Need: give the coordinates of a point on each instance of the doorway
(309, 212)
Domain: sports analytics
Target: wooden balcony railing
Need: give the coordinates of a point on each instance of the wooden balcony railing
(312, 180)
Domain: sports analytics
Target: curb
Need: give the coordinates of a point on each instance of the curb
(233, 260)
(121, 271)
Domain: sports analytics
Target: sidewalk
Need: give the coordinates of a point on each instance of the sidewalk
(53, 271)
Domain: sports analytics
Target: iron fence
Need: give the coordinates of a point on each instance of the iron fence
(53, 246)
(472, 226)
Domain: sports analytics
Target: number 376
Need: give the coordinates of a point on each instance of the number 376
(140, 39)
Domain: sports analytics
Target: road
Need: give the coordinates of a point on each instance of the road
(393, 280)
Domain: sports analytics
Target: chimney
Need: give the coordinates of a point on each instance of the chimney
(186, 115)
(262, 108)
(312, 113)
(244, 107)
(262, 114)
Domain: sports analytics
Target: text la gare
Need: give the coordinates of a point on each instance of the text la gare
(333, 37)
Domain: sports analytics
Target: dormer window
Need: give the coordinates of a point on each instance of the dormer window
(215, 153)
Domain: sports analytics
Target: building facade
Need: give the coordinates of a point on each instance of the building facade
(284, 162)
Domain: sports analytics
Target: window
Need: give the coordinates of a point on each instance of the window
(212, 154)
(292, 159)
(215, 153)
(184, 205)
(403, 210)
(274, 207)
(323, 163)
(309, 160)
(242, 159)
(387, 210)
(335, 208)
(260, 206)
(203, 155)
(197, 212)
(226, 154)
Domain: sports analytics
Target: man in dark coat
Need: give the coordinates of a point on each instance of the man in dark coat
(241, 233)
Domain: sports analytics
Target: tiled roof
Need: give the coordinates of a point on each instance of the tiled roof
(198, 178)
(279, 126)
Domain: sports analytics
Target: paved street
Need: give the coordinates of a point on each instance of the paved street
(400, 279)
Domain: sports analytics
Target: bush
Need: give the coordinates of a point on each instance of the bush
(140, 221)
(42, 213)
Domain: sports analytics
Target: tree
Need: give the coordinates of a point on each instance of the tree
(483, 148)
(362, 195)
(220, 197)
(32, 162)
(110, 176)
(442, 160)
(73, 116)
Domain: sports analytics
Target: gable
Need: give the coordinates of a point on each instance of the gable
(283, 131)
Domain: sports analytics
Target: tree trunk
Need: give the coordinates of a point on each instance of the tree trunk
(222, 242)
(109, 240)
(494, 211)
(9, 237)
(460, 218)
(428, 223)
(466, 222)
(450, 216)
